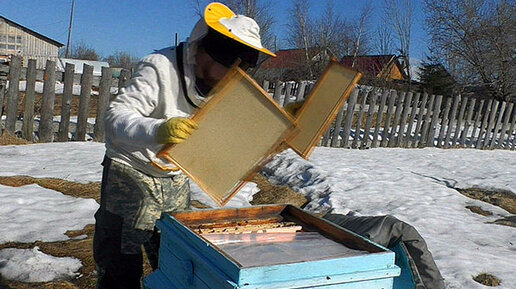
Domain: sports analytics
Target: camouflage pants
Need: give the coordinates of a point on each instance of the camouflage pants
(131, 202)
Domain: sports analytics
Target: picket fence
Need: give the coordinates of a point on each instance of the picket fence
(376, 117)
(372, 117)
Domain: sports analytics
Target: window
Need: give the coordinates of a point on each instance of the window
(11, 39)
(11, 47)
(3, 38)
(18, 39)
(3, 46)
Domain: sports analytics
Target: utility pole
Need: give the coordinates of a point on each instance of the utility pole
(67, 54)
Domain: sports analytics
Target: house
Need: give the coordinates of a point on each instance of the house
(292, 64)
(79, 64)
(385, 67)
(16, 39)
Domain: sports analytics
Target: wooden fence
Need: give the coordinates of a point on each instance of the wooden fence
(374, 117)
(47, 129)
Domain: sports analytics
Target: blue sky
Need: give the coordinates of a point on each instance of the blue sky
(139, 27)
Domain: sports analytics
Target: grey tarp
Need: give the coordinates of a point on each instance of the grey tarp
(388, 232)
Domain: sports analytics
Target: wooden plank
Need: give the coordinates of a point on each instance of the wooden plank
(322, 105)
(496, 137)
(102, 104)
(397, 114)
(425, 133)
(387, 124)
(66, 102)
(435, 119)
(301, 91)
(370, 115)
(234, 137)
(124, 78)
(349, 118)
(13, 94)
(84, 102)
(505, 125)
(408, 139)
(379, 118)
(467, 123)
(278, 86)
(510, 132)
(478, 113)
(420, 116)
(361, 110)
(28, 101)
(403, 122)
(288, 91)
(191, 218)
(327, 136)
(483, 126)
(491, 123)
(444, 122)
(456, 100)
(460, 118)
(46, 129)
(265, 86)
(336, 131)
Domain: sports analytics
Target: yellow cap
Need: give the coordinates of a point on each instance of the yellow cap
(237, 27)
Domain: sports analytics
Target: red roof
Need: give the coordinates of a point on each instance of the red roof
(370, 64)
(291, 58)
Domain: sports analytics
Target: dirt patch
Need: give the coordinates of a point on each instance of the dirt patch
(507, 221)
(273, 194)
(89, 190)
(9, 139)
(479, 210)
(503, 199)
(487, 279)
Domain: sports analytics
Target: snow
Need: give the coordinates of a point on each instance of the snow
(414, 185)
(31, 265)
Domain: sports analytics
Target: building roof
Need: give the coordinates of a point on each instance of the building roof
(372, 65)
(285, 59)
(30, 31)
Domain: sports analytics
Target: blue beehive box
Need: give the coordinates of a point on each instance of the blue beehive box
(212, 249)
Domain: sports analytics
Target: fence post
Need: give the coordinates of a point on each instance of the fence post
(476, 122)
(265, 86)
(123, 79)
(13, 94)
(467, 124)
(277, 92)
(408, 138)
(66, 102)
(370, 114)
(490, 124)
(358, 125)
(485, 118)
(84, 101)
(403, 122)
(456, 100)
(499, 115)
(387, 124)
(301, 91)
(511, 129)
(444, 122)
(28, 102)
(435, 119)
(349, 117)
(418, 135)
(397, 114)
(103, 101)
(458, 128)
(505, 124)
(379, 118)
(426, 126)
(46, 123)
(336, 130)
(288, 90)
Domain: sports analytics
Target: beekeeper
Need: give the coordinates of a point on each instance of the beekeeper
(153, 110)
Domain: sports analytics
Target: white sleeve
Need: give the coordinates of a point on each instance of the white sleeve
(128, 117)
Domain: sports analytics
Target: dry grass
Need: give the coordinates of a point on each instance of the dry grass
(503, 199)
(487, 279)
(8, 139)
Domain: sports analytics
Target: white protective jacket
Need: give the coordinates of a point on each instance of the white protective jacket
(153, 95)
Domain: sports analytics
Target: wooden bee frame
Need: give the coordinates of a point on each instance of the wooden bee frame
(322, 105)
(240, 126)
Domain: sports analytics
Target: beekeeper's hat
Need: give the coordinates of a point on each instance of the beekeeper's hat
(240, 28)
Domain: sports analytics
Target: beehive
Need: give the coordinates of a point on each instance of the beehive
(278, 246)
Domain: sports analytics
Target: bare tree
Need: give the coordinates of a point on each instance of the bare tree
(384, 45)
(83, 51)
(361, 32)
(122, 60)
(301, 32)
(398, 15)
(477, 40)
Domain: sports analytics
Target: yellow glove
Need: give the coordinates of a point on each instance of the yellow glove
(293, 107)
(175, 130)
